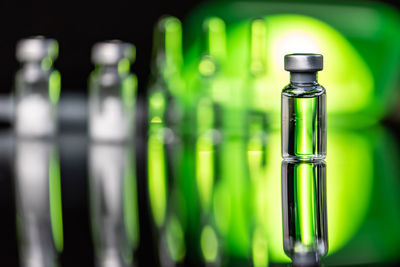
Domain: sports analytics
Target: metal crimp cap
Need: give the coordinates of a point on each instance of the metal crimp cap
(111, 52)
(36, 49)
(303, 62)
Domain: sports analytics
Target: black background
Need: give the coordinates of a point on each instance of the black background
(77, 26)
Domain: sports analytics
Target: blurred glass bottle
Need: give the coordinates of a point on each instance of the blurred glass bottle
(112, 92)
(38, 202)
(305, 235)
(303, 109)
(256, 97)
(169, 207)
(166, 111)
(37, 88)
(257, 125)
(208, 104)
(113, 204)
(166, 107)
(213, 89)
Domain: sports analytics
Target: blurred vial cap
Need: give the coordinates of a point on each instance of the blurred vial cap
(303, 62)
(36, 49)
(111, 52)
(214, 30)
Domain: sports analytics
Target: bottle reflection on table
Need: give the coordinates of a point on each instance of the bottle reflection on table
(305, 235)
(38, 201)
(113, 204)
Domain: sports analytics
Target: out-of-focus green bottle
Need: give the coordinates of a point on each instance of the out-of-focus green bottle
(166, 110)
(166, 88)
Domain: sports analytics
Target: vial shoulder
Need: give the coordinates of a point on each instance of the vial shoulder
(303, 90)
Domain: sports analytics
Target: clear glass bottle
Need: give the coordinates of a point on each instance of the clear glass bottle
(305, 235)
(37, 88)
(303, 109)
(112, 92)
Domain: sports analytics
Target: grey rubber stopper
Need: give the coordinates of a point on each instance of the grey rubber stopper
(36, 49)
(303, 62)
(110, 52)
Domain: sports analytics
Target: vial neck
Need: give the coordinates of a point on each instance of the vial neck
(31, 65)
(303, 77)
(107, 68)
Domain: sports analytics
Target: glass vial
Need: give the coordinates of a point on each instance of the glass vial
(303, 109)
(37, 88)
(305, 237)
(112, 92)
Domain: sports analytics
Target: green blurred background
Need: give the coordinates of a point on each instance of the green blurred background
(215, 186)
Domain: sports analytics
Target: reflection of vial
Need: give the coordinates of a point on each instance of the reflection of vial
(38, 198)
(112, 92)
(37, 88)
(305, 236)
(303, 109)
(113, 204)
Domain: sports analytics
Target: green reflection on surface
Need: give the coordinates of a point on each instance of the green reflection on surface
(222, 208)
(205, 169)
(55, 201)
(205, 158)
(209, 244)
(235, 181)
(305, 202)
(175, 239)
(267, 199)
(157, 178)
(350, 167)
(131, 213)
(260, 248)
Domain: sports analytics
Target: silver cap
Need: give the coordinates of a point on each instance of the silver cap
(111, 52)
(36, 49)
(303, 62)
